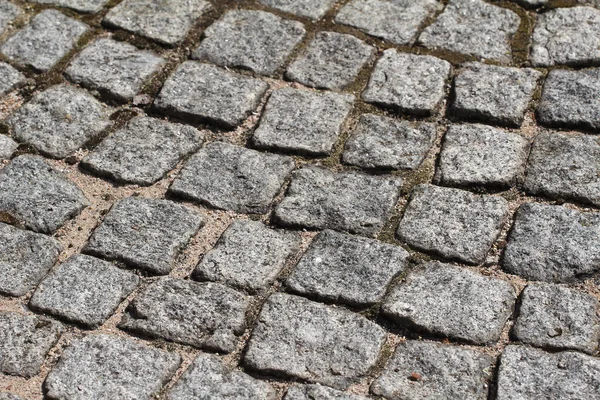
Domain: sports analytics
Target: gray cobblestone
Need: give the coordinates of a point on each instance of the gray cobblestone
(9, 396)
(7, 147)
(83, 6)
(310, 392)
(313, 9)
(8, 13)
(10, 78)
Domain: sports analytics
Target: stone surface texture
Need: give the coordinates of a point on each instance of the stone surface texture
(8, 13)
(313, 9)
(10, 78)
(310, 392)
(82, 6)
(7, 147)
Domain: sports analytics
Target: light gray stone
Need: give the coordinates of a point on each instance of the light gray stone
(386, 143)
(8, 13)
(9, 396)
(10, 78)
(313, 9)
(302, 121)
(7, 147)
(349, 201)
(252, 39)
(105, 367)
(532, 3)
(82, 6)
(234, 178)
(311, 392)
(298, 338)
(409, 83)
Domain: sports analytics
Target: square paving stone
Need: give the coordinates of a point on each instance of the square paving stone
(452, 302)
(84, 290)
(116, 69)
(144, 233)
(248, 255)
(311, 392)
(445, 371)
(104, 367)
(313, 9)
(252, 39)
(347, 269)
(25, 259)
(207, 315)
(298, 338)
(49, 37)
(24, 342)
(143, 151)
(83, 6)
(475, 28)
(204, 92)
(209, 379)
(8, 13)
(60, 120)
(7, 147)
(482, 155)
(230, 177)
(302, 121)
(331, 61)
(349, 201)
(560, 37)
(10, 78)
(556, 317)
(410, 83)
(397, 21)
(452, 223)
(166, 21)
(528, 373)
(492, 94)
(553, 244)
(37, 195)
(386, 143)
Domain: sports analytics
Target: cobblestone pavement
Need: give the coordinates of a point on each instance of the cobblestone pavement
(299, 199)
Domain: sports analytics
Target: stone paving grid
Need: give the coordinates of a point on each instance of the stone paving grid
(162, 39)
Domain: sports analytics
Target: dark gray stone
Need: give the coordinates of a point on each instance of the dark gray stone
(452, 223)
(331, 61)
(475, 28)
(167, 22)
(312, 392)
(59, 120)
(83, 6)
(206, 315)
(10, 78)
(230, 177)
(24, 342)
(8, 13)
(410, 83)
(349, 201)
(298, 338)
(252, 39)
(553, 244)
(347, 269)
(302, 121)
(444, 372)
(143, 151)
(202, 91)
(25, 258)
(49, 37)
(248, 255)
(104, 367)
(7, 147)
(38, 196)
(313, 9)
(387, 143)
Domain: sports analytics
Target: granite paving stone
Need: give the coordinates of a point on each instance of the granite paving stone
(381, 142)
(444, 372)
(553, 243)
(248, 255)
(474, 154)
(302, 122)
(311, 392)
(8, 13)
(409, 83)
(10, 78)
(9, 396)
(452, 302)
(528, 373)
(47, 38)
(25, 259)
(475, 28)
(7, 147)
(25, 340)
(313, 9)
(206, 315)
(230, 177)
(143, 151)
(452, 223)
(298, 338)
(84, 290)
(37, 195)
(106, 367)
(349, 201)
(331, 61)
(532, 3)
(59, 120)
(557, 317)
(251, 39)
(82, 6)
(116, 69)
(165, 21)
(144, 233)
(347, 269)
(204, 92)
